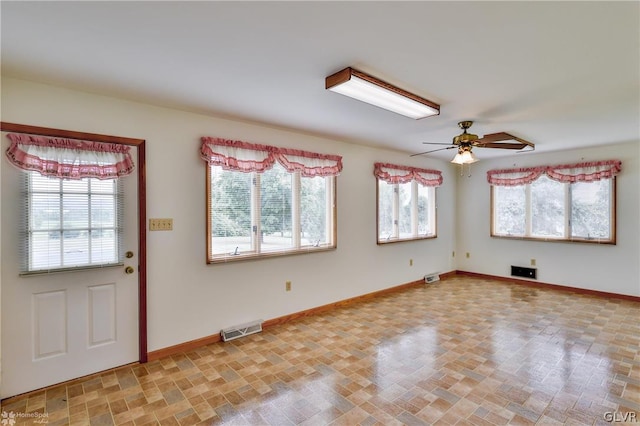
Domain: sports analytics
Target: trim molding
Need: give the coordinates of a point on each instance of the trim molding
(194, 344)
(183, 347)
(139, 144)
(551, 286)
(345, 302)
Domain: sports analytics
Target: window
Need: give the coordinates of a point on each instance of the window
(406, 205)
(565, 203)
(73, 201)
(71, 223)
(268, 201)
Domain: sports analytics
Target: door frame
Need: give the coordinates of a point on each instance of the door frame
(139, 144)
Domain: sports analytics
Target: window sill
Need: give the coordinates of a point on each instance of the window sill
(70, 269)
(255, 256)
(403, 240)
(557, 240)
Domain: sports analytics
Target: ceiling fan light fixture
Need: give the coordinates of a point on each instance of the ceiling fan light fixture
(366, 88)
(464, 156)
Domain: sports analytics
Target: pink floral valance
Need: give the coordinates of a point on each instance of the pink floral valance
(581, 172)
(69, 158)
(392, 173)
(248, 157)
(514, 177)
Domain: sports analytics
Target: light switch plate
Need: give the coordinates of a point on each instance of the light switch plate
(165, 224)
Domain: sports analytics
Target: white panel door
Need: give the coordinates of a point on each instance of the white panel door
(64, 325)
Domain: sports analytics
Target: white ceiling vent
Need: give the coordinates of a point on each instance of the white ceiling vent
(241, 330)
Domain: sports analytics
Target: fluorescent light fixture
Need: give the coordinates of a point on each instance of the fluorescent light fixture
(464, 156)
(366, 88)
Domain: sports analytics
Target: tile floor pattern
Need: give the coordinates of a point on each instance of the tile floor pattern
(463, 351)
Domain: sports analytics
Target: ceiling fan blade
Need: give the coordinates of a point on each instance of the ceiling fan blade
(487, 141)
(435, 143)
(494, 137)
(531, 147)
(428, 152)
(500, 145)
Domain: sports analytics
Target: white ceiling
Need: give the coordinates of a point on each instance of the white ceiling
(560, 74)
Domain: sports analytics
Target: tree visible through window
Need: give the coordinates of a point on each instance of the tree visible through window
(406, 202)
(254, 213)
(574, 202)
(548, 208)
(230, 211)
(266, 201)
(509, 210)
(315, 217)
(591, 207)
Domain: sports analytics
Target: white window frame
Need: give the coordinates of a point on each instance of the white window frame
(567, 236)
(27, 239)
(431, 212)
(297, 246)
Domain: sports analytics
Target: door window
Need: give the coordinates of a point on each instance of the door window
(71, 223)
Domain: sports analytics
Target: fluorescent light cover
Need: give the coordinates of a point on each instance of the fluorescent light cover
(368, 89)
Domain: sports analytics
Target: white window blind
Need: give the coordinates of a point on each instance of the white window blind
(71, 223)
(72, 201)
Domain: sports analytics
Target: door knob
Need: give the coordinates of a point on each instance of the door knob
(128, 270)
(129, 254)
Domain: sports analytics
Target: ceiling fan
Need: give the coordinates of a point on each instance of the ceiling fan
(466, 141)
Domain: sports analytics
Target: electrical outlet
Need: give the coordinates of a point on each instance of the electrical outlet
(161, 224)
(410, 262)
(533, 262)
(287, 285)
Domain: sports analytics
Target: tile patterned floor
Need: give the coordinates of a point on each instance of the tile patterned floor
(464, 351)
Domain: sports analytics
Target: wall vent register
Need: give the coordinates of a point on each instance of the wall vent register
(431, 278)
(241, 330)
(520, 271)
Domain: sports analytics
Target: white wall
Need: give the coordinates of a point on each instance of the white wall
(609, 268)
(188, 299)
